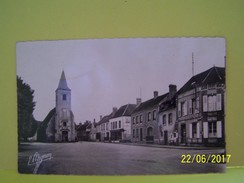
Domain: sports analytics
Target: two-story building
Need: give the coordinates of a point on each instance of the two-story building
(168, 131)
(120, 123)
(200, 109)
(145, 120)
(103, 128)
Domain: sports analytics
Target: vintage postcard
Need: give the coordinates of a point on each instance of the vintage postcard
(138, 106)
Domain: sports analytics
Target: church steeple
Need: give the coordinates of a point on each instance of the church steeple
(62, 83)
(64, 118)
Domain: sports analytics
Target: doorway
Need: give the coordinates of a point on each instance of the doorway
(165, 137)
(65, 136)
(183, 133)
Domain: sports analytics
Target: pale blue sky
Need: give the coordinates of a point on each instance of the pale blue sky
(106, 73)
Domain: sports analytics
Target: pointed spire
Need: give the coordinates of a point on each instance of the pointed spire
(62, 82)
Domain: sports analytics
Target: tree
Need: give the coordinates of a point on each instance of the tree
(26, 107)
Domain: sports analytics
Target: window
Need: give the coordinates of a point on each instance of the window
(197, 105)
(179, 109)
(190, 108)
(137, 119)
(64, 124)
(204, 87)
(183, 109)
(137, 133)
(141, 118)
(64, 96)
(170, 118)
(194, 130)
(149, 116)
(212, 127)
(119, 124)
(133, 134)
(161, 130)
(211, 86)
(164, 119)
(212, 103)
(154, 114)
(133, 120)
(115, 124)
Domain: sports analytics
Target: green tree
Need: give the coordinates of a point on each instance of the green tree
(26, 107)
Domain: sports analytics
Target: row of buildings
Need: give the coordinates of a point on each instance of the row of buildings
(194, 115)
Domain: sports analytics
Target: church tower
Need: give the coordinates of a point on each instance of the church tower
(64, 119)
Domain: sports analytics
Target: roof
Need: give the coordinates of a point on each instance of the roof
(105, 119)
(167, 104)
(45, 122)
(62, 83)
(150, 103)
(212, 75)
(125, 110)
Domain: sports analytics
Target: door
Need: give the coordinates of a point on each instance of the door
(165, 137)
(65, 136)
(141, 134)
(183, 133)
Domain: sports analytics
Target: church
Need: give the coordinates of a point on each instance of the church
(59, 125)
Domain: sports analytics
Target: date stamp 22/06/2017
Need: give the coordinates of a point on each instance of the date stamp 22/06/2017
(205, 158)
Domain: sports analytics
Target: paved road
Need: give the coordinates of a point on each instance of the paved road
(94, 158)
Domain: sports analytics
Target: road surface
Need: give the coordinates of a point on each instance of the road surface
(96, 158)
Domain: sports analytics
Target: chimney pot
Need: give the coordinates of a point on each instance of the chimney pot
(138, 101)
(155, 94)
(172, 90)
(114, 110)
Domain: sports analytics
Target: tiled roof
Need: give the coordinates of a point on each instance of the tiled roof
(212, 75)
(167, 104)
(150, 103)
(125, 110)
(105, 119)
(45, 122)
(62, 83)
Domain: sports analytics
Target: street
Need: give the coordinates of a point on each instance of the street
(96, 158)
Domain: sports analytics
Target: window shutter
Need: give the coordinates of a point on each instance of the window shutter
(214, 103)
(205, 129)
(190, 106)
(190, 130)
(219, 129)
(185, 108)
(198, 130)
(205, 103)
(219, 102)
(210, 103)
(179, 109)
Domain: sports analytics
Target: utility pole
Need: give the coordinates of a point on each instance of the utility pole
(192, 63)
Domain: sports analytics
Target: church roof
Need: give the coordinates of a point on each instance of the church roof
(62, 83)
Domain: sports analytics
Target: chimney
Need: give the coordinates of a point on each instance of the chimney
(94, 120)
(155, 94)
(101, 117)
(138, 101)
(172, 90)
(114, 110)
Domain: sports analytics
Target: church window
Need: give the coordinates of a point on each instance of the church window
(64, 96)
(64, 124)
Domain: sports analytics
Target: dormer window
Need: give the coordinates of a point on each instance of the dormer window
(64, 96)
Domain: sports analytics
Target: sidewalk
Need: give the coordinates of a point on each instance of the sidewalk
(172, 146)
